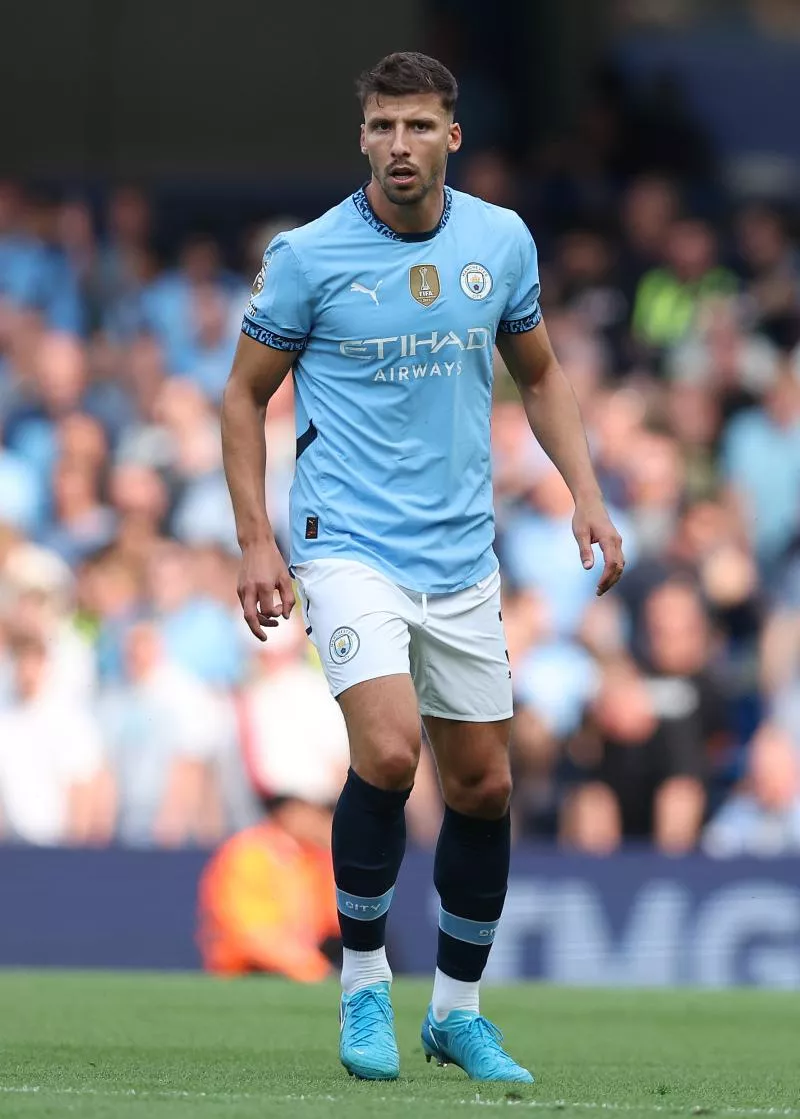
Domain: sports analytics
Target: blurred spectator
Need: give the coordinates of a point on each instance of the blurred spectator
(591, 289)
(55, 388)
(293, 731)
(213, 342)
(182, 442)
(144, 372)
(52, 784)
(539, 551)
(82, 440)
(34, 273)
(254, 896)
(37, 598)
(763, 815)
(75, 235)
(267, 898)
(654, 481)
(110, 600)
(643, 755)
(582, 355)
(708, 550)
(649, 208)
(761, 462)
(516, 456)
(140, 499)
(770, 266)
(668, 298)
(719, 355)
(164, 730)
(614, 419)
(126, 263)
(694, 416)
(553, 680)
(81, 522)
(199, 633)
(488, 175)
(169, 303)
(21, 498)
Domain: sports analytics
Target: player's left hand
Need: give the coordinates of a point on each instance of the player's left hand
(592, 525)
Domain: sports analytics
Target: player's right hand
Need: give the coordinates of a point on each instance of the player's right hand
(262, 575)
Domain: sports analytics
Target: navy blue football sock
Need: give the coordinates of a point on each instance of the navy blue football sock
(471, 874)
(369, 841)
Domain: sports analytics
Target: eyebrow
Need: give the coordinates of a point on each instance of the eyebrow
(409, 120)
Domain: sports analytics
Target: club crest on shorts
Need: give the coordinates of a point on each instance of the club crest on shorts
(423, 279)
(344, 645)
(476, 281)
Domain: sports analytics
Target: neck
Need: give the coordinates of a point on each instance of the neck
(417, 217)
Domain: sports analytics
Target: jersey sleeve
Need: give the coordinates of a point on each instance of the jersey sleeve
(522, 312)
(279, 312)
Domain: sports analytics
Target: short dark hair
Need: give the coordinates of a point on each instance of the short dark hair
(408, 72)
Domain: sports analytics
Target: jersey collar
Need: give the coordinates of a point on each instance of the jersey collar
(361, 203)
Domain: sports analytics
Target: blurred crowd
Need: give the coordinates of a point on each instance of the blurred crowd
(135, 707)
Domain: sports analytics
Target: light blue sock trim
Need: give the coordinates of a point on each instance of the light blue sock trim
(473, 932)
(363, 909)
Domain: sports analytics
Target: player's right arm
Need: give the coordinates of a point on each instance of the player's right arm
(276, 326)
(256, 374)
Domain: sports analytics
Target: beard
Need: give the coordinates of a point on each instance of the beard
(414, 192)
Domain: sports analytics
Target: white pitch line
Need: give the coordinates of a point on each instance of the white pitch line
(475, 1101)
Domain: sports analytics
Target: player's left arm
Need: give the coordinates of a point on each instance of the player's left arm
(555, 419)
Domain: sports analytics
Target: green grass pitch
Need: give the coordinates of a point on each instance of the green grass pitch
(110, 1046)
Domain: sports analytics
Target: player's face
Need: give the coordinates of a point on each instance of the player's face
(407, 140)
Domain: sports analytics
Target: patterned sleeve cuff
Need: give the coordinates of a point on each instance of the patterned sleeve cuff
(269, 338)
(520, 326)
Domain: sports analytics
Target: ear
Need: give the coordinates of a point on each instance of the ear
(363, 140)
(454, 139)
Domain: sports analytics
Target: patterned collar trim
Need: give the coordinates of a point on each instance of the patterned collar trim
(371, 218)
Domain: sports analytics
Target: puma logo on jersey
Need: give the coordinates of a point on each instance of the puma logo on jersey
(371, 292)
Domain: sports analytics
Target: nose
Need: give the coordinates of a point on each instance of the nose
(400, 148)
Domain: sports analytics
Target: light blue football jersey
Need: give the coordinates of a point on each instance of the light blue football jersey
(393, 381)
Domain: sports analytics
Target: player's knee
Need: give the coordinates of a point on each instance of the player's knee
(394, 767)
(487, 798)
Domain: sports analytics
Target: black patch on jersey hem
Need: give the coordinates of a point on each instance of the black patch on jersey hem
(312, 528)
(305, 440)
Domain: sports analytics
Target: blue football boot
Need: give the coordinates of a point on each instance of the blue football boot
(472, 1042)
(367, 1045)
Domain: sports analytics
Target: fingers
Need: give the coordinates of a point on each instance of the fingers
(584, 538)
(286, 592)
(260, 608)
(248, 596)
(611, 548)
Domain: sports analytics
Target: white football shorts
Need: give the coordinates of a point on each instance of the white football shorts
(453, 645)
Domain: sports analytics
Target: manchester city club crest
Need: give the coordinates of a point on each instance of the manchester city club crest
(476, 281)
(344, 645)
(423, 279)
